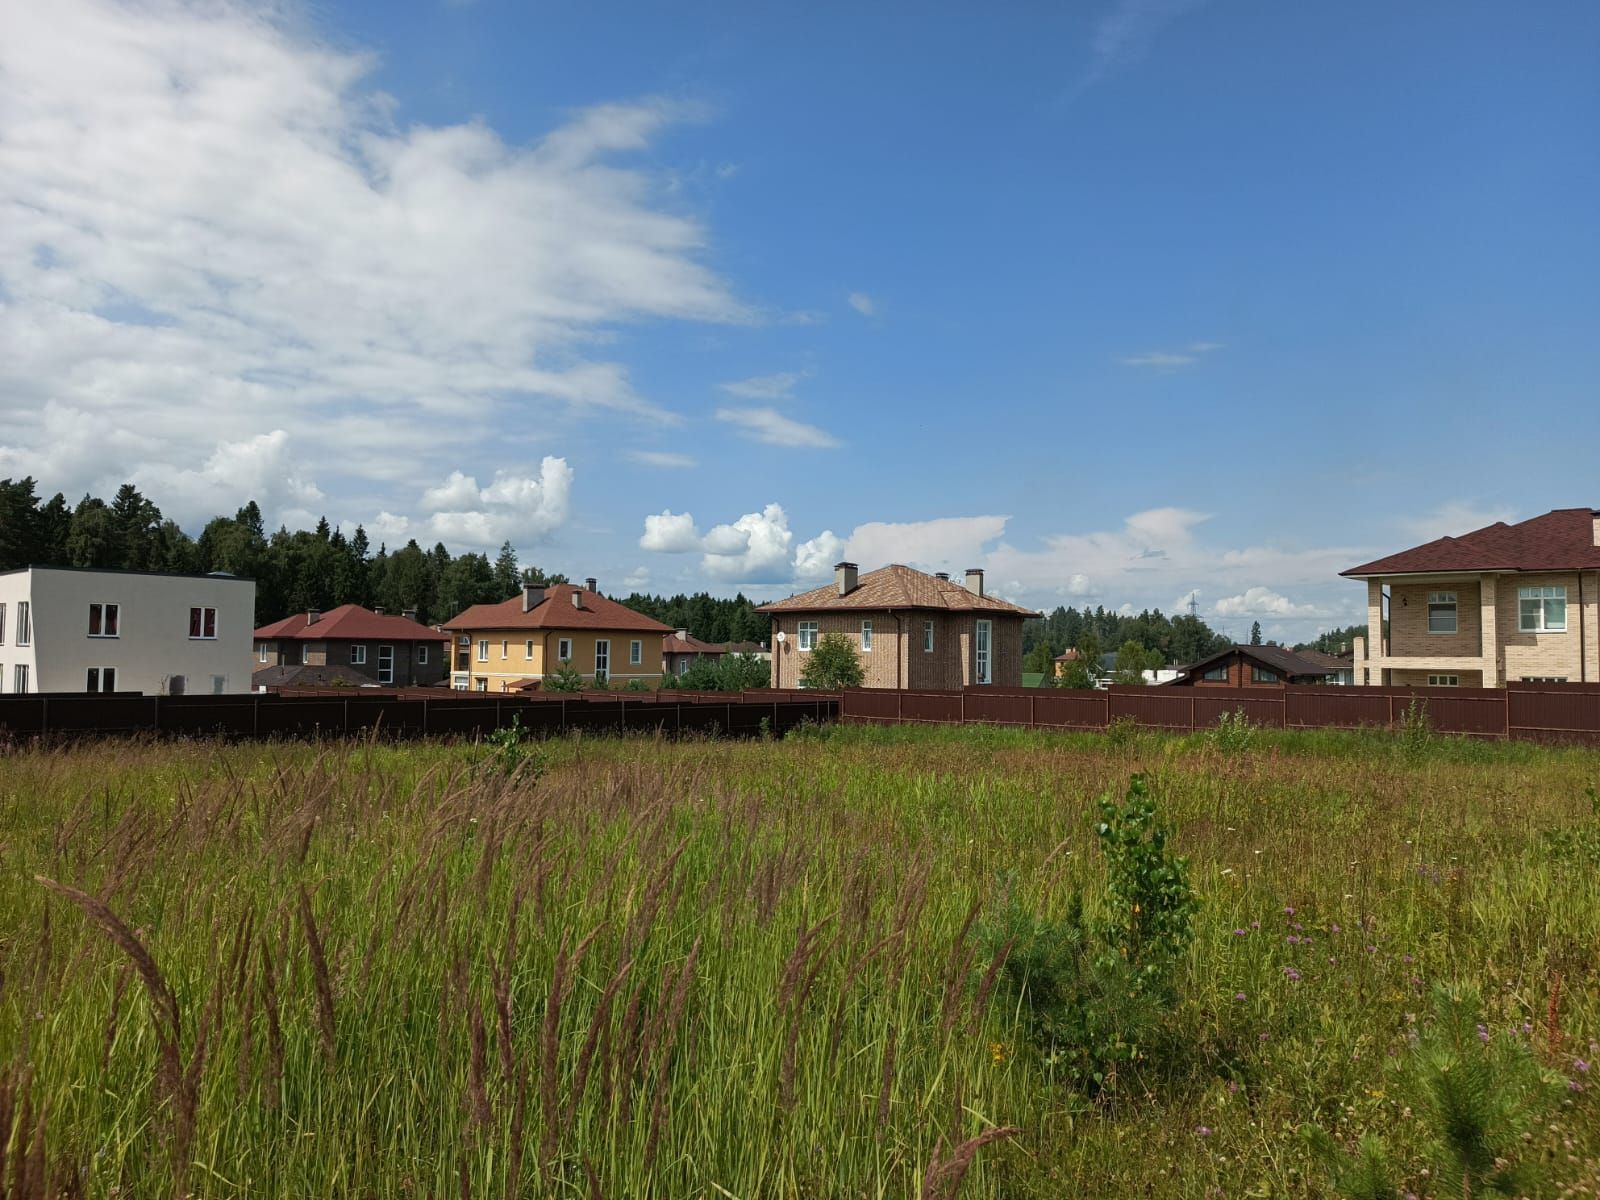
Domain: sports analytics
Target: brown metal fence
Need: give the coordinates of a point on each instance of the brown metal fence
(414, 713)
(1526, 711)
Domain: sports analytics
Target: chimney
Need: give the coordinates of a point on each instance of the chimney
(944, 575)
(683, 635)
(975, 580)
(532, 597)
(376, 608)
(589, 585)
(845, 576)
(409, 614)
(1595, 518)
(313, 615)
(577, 599)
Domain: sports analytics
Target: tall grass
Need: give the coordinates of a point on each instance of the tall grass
(720, 969)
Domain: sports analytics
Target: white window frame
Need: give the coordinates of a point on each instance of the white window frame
(100, 679)
(24, 631)
(205, 612)
(385, 673)
(527, 650)
(422, 655)
(505, 649)
(602, 658)
(806, 636)
(927, 637)
(358, 654)
(483, 649)
(983, 652)
(1544, 679)
(564, 650)
(1446, 604)
(483, 685)
(866, 636)
(2, 627)
(110, 618)
(1541, 596)
(19, 676)
(1444, 681)
(261, 652)
(635, 653)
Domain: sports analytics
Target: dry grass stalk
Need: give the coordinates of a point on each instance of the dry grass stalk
(269, 1005)
(1552, 1015)
(593, 1180)
(549, 1044)
(319, 971)
(114, 1016)
(680, 996)
(477, 1093)
(886, 1081)
(996, 964)
(942, 1180)
(601, 1020)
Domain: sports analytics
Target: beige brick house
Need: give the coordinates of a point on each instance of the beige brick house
(911, 630)
(1505, 602)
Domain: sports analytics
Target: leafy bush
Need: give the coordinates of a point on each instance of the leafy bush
(637, 685)
(1094, 994)
(832, 664)
(1123, 731)
(564, 678)
(1416, 728)
(730, 673)
(1232, 734)
(509, 751)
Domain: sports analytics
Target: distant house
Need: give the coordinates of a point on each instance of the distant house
(350, 643)
(1105, 667)
(752, 649)
(1502, 602)
(516, 644)
(679, 651)
(911, 630)
(1338, 666)
(71, 629)
(1252, 667)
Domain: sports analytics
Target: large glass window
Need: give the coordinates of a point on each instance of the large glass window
(808, 635)
(385, 664)
(203, 624)
(602, 660)
(24, 633)
(1441, 612)
(1542, 609)
(927, 637)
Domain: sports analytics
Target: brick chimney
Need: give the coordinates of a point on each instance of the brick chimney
(683, 635)
(532, 597)
(846, 576)
(589, 585)
(975, 580)
(944, 575)
(1595, 519)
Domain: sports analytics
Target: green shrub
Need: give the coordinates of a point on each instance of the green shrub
(564, 678)
(1416, 728)
(1232, 734)
(509, 751)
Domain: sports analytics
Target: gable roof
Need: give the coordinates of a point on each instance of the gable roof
(1286, 662)
(556, 611)
(1560, 540)
(898, 586)
(1332, 662)
(671, 643)
(301, 675)
(349, 622)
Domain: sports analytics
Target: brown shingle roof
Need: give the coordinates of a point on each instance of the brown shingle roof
(673, 644)
(897, 586)
(555, 611)
(1286, 662)
(1561, 540)
(349, 622)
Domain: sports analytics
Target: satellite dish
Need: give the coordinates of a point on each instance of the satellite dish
(781, 637)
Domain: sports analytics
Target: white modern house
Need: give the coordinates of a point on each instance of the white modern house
(69, 629)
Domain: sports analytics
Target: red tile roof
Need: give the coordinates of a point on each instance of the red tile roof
(673, 644)
(349, 622)
(896, 586)
(1561, 540)
(556, 611)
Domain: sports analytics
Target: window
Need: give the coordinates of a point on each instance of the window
(20, 678)
(92, 683)
(2, 625)
(483, 685)
(564, 649)
(460, 684)
(1262, 675)
(24, 632)
(103, 620)
(635, 653)
(483, 650)
(219, 684)
(1216, 674)
(808, 635)
(527, 650)
(1542, 609)
(358, 655)
(866, 635)
(602, 660)
(203, 624)
(1441, 612)
(505, 650)
(1544, 679)
(385, 664)
(261, 651)
(981, 644)
(176, 684)
(1444, 680)
(927, 637)
(422, 656)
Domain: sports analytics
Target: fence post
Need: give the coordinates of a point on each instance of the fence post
(255, 715)
(345, 704)
(963, 706)
(44, 715)
(899, 707)
(1194, 720)
(1033, 712)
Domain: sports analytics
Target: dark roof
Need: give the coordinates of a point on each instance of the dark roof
(671, 643)
(556, 611)
(310, 676)
(221, 576)
(1286, 662)
(897, 586)
(1333, 662)
(349, 622)
(1561, 540)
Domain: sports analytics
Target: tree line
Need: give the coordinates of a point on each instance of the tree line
(1166, 640)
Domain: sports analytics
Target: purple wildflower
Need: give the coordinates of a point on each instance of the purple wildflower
(1288, 910)
(1580, 1066)
(1241, 933)
(1241, 996)
(1334, 928)
(1291, 975)
(1483, 1033)
(1202, 1131)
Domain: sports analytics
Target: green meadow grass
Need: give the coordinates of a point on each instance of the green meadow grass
(749, 969)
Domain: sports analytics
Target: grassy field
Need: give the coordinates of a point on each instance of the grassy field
(812, 967)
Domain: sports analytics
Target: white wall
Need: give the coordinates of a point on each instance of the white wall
(152, 644)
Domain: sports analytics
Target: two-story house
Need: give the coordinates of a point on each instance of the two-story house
(513, 645)
(910, 629)
(680, 650)
(350, 644)
(1505, 602)
(69, 629)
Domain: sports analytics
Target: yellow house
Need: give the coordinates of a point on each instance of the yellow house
(516, 643)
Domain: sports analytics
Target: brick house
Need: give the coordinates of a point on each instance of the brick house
(911, 630)
(1254, 667)
(1505, 602)
(513, 645)
(349, 643)
(680, 649)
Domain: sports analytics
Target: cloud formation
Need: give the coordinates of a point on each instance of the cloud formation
(1168, 361)
(662, 458)
(863, 304)
(765, 387)
(521, 509)
(772, 427)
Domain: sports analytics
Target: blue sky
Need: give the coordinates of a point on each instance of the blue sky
(1120, 300)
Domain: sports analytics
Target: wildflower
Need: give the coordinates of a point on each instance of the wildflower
(997, 1052)
(1334, 928)
(1262, 1038)
(1580, 1066)
(1241, 996)
(1574, 1086)
(1241, 933)
(1202, 1131)
(1288, 910)
(1292, 940)
(1483, 1033)
(1291, 975)
(1255, 924)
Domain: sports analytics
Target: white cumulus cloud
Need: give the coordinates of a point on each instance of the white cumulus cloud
(517, 508)
(1262, 602)
(670, 533)
(863, 304)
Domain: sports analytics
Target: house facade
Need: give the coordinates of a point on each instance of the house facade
(679, 651)
(67, 629)
(350, 644)
(910, 629)
(1502, 603)
(1253, 667)
(514, 645)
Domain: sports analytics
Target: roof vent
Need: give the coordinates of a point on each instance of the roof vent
(577, 599)
(409, 614)
(378, 609)
(846, 576)
(313, 615)
(532, 597)
(975, 580)
(944, 575)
